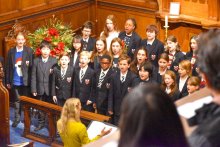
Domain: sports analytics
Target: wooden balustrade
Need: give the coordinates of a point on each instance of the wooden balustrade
(53, 113)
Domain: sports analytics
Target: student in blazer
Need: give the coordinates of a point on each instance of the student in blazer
(131, 39)
(41, 76)
(83, 86)
(62, 81)
(154, 46)
(103, 85)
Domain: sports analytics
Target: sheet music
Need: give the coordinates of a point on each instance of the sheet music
(188, 110)
(111, 144)
(96, 127)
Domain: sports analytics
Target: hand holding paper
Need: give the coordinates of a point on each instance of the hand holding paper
(105, 132)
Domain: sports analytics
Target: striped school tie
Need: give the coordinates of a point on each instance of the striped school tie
(81, 75)
(101, 79)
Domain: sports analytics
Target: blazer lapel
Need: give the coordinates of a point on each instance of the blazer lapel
(13, 56)
(41, 64)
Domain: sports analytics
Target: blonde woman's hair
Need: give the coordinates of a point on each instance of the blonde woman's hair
(70, 110)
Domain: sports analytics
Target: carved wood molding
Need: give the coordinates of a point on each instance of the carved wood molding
(204, 23)
(140, 6)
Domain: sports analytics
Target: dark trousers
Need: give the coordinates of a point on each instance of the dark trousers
(61, 102)
(17, 92)
(87, 107)
(116, 119)
(42, 114)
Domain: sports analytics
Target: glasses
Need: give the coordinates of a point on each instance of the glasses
(105, 62)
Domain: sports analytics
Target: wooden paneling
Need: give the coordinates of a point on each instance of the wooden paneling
(194, 7)
(10, 8)
(7, 7)
(70, 14)
(27, 4)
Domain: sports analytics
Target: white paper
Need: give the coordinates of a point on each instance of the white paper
(188, 110)
(111, 144)
(96, 127)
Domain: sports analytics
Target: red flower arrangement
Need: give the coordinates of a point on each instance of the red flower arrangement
(59, 35)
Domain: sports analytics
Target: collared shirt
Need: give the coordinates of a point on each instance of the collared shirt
(45, 60)
(63, 71)
(150, 42)
(105, 72)
(84, 71)
(75, 57)
(86, 40)
(19, 50)
(121, 76)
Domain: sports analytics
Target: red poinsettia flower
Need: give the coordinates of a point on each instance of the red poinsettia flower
(52, 53)
(57, 50)
(38, 52)
(61, 45)
(53, 32)
(49, 39)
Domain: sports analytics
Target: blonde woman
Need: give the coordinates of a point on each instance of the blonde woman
(72, 131)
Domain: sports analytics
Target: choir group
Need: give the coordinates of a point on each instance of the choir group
(101, 71)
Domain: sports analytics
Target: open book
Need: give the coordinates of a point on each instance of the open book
(188, 110)
(95, 128)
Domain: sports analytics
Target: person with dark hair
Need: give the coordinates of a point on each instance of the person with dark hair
(103, 79)
(191, 55)
(154, 46)
(131, 39)
(139, 58)
(88, 42)
(208, 117)
(18, 73)
(41, 78)
(100, 50)
(77, 48)
(145, 73)
(174, 52)
(149, 118)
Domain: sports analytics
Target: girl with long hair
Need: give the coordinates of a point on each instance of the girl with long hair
(110, 30)
(169, 85)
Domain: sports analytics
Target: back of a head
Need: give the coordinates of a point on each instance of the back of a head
(208, 54)
(149, 118)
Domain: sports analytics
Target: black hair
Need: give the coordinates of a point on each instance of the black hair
(106, 56)
(149, 118)
(195, 37)
(208, 54)
(134, 22)
(45, 43)
(147, 67)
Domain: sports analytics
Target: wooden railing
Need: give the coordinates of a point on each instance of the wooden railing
(53, 113)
